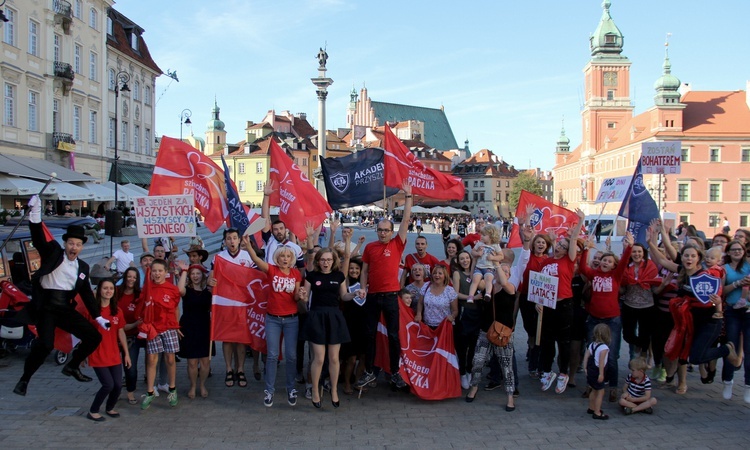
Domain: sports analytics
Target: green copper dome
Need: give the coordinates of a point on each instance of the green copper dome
(607, 40)
(667, 82)
(215, 124)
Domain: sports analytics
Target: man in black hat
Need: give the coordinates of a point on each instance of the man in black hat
(54, 286)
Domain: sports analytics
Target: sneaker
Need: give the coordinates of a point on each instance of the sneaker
(547, 379)
(562, 383)
(727, 394)
(628, 410)
(662, 375)
(465, 381)
(147, 399)
(364, 380)
(291, 397)
(172, 397)
(268, 398)
(162, 387)
(491, 386)
(397, 381)
(308, 392)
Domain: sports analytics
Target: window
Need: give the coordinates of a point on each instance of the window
(77, 58)
(147, 141)
(714, 154)
(259, 167)
(55, 115)
(685, 154)
(241, 167)
(259, 186)
(610, 95)
(304, 162)
(124, 136)
(611, 125)
(714, 192)
(481, 183)
(112, 79)
(745, 155)
(498, 184)
(315, 158)
(683, 218)
(744, 220)
(9, 27)
(110, 26)
(683, 192)
(137, 138)
(134, 41)
(241, 186)
(76, 123)
(93, 18)
(713, 220)
(476, 196)
(78, 10)
(481, 196)
(56, 47)
(33, 111)
(137, 91)
(507, 184)
(9, 110)
(147, 95)
(92, 127)
(507, 196)
(745, 192)
(476, 183)
(33, 38)
(112, 132)
(92, 66)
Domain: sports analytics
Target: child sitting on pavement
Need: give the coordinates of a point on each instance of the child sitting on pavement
(636, 396)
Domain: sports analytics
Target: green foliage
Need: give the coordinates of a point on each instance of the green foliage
(525, 182)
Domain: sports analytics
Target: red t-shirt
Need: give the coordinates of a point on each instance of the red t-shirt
(605, 287)
(164, 298)
(128, 305)
(562, 268)
(281, 296)
(107, 354)
(382, 262)
(534, 265)
(429, 262)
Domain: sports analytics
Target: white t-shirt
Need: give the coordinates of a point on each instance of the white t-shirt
(273, 244)
(242, 258)
(123, 260)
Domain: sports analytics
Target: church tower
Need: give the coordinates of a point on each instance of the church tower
(667, 113)
(216, 137)
(351, 109)
(562, 149)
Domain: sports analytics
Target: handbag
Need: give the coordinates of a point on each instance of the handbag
(498, 333)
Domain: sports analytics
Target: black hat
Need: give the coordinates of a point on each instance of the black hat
(77, 232)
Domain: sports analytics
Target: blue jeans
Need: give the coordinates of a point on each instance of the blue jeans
(737, 323)
(131, 374)
(274, 327)
(704, 347)
(615, 327)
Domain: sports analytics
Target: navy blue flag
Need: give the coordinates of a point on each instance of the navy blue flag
(638, 207)
(237, 214)
(356, 179)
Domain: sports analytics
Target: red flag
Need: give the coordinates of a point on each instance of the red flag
(182, 170)
(546, 217)
(382, 358)
(429, 364)
(401, 164)
(297, 198)
(238, 313)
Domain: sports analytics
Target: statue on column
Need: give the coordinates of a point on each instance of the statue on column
(322, 58)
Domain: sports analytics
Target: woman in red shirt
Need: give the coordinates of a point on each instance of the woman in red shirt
(281, 317)
(106, 360)
(540, 247)
(128, 295)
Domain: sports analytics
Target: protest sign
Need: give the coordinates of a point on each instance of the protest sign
(165, 215)
(543, 289)
(613, 189)
(661, 157)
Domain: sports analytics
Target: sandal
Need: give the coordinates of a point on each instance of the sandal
(241, 380)
(132, 401)
(229, 379)
(681, 390)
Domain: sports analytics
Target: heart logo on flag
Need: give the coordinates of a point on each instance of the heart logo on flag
(419, 335)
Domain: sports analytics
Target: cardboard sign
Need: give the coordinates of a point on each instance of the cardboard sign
(165, 215)
(543, 289)
(661, 157)
(613, 189)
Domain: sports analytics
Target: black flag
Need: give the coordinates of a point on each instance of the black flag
(356, 179)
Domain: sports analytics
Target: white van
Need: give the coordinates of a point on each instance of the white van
(618, 226)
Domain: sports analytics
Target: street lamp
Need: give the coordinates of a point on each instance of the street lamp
(121, 84)
(185, 119)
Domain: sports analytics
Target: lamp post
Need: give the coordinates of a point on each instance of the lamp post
(185, 119)
(121, 84)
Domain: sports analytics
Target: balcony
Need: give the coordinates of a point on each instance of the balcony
(63, 142)
(63, 14)
(64, 76)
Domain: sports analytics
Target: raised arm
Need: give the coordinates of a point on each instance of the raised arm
(654, 252)
(334, 225)
(265, 210)
(407, 211)
(262, 265)
(312, 236)
(572, 247)
(182, 282)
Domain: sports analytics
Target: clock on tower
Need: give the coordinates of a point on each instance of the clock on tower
(610, 78)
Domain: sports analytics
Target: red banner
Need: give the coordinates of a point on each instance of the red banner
(238, 313)
(297, 198)
(401, 164)
(182, 170)
(429, 364)
(547, 217)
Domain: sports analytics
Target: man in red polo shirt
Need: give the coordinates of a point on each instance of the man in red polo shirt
(380, 265)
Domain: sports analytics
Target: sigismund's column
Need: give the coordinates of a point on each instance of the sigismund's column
(321, 82)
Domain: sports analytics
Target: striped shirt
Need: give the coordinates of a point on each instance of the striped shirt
(638, 389)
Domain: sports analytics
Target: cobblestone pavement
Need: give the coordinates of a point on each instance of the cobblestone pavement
(53, 415)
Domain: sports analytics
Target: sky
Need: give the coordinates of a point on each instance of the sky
(506, 72)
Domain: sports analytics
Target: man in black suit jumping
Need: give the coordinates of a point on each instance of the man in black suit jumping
(54, 287)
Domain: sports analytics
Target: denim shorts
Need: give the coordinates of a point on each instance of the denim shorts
(484, 272)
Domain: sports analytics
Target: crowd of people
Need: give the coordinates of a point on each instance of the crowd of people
(331, 298)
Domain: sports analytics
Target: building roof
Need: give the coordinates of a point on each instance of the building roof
(437, 130)
(484, 163)
(303, 128)
(38, 169)
(119, 40)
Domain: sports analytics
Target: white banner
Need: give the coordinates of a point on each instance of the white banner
(613, 189)
(543, 289)
(661, 157)
(165, 215)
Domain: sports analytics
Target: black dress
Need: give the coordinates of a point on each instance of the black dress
(325, 322)
(356, 322)
(195, 324)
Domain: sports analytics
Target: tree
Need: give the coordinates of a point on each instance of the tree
(527, 182)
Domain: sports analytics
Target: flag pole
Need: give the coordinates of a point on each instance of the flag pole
(539, 327)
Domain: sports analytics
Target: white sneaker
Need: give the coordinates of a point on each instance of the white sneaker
(547, 379)
(465, 381)
(562, 383)
(727, 394)
(747, 394)
(162, 387)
